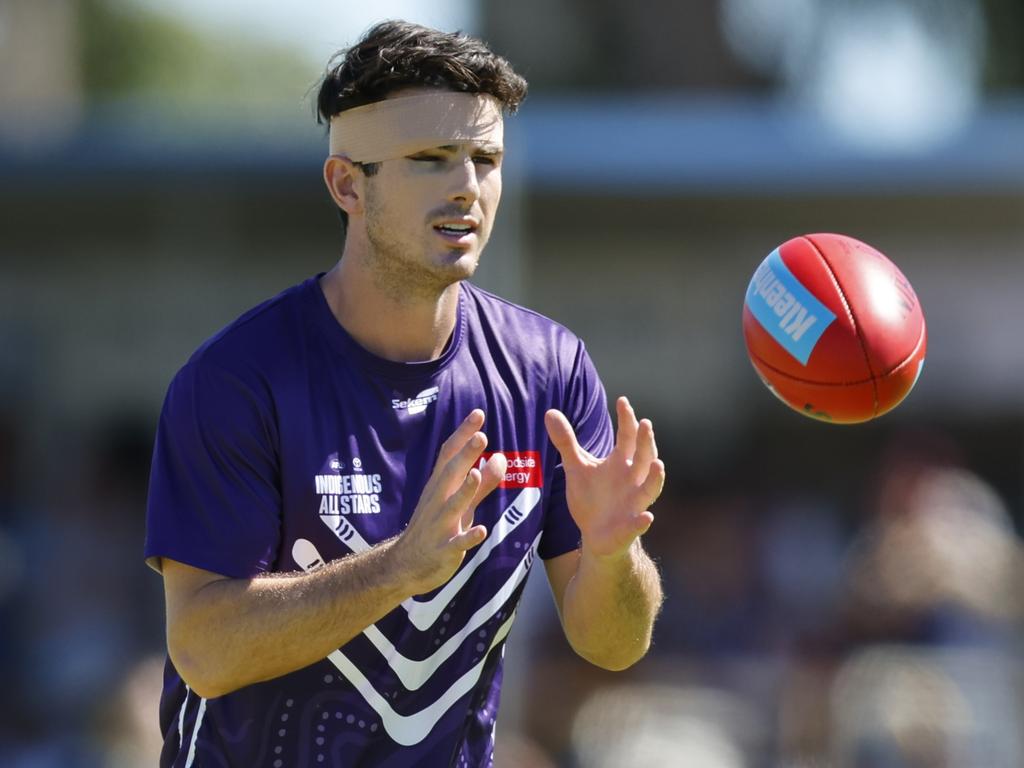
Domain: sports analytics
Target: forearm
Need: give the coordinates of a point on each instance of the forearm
(609, 607)
(235, 632)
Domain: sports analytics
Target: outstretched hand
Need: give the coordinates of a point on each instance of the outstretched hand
(442, 527)
(609, 498)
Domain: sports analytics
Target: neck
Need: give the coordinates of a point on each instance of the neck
(403, 328)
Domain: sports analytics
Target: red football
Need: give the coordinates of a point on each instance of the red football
(834, 328)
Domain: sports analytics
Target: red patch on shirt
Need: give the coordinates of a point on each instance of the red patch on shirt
(523, 471)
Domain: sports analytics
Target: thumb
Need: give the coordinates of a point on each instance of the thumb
(562, 436)
(642, 523)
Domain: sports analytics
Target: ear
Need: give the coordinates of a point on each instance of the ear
(344, 182)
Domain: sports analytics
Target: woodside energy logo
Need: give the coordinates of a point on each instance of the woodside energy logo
(523, 470)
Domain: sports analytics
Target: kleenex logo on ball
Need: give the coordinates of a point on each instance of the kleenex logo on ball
(788, 311)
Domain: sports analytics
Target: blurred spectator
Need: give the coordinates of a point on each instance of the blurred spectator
(922, 668)
(660, 726)
(707, 550)
(913, 707)
(888, 644)
(125, 734)
(801, 547)
(93, 611)
(13, 603)
(514, 750)
(941, 561)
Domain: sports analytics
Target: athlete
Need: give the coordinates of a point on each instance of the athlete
(352, 481)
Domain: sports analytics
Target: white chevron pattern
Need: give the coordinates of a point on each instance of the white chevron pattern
(424, 613)
(411, 729)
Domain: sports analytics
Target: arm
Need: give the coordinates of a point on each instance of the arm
(607, 607)
(223, 633)
(609, 592)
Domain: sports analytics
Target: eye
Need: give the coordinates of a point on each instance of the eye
(427, 158)
(485, 159)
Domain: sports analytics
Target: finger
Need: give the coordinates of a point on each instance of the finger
(654, 441)
(469, 539)
(646, 452)
(460, 502)
(625, 438)
(563, 437)
(454, 473)
(653, 485)
(493, 472)
(446, 478)
(469, 427)
(642, 523)
(461, 505)
(450, 448)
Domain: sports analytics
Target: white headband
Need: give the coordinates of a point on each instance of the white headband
(406, 125)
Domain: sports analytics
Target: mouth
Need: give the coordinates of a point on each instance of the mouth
(457, 231)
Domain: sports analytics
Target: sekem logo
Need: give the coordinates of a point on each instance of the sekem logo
(416, 404)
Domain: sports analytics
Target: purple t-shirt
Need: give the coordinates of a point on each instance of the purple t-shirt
(283, 445)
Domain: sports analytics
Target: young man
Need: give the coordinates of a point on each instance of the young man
(352, 481)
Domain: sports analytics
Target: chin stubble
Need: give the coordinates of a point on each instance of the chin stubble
(398, 277)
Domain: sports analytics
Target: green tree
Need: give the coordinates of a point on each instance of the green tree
(130, 52)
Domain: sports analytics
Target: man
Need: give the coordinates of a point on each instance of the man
(341, 556)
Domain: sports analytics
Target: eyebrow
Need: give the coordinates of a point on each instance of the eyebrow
(487, 149)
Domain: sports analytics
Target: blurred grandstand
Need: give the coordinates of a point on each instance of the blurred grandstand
(835, 596)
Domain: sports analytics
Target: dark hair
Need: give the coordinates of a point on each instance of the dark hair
(398, 54)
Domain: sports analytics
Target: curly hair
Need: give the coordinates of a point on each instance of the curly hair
(398, 54)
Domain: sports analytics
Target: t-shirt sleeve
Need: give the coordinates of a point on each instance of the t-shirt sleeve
(214, 497)
(586, 407)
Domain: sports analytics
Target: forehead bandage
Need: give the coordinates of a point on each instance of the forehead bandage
(406, 125)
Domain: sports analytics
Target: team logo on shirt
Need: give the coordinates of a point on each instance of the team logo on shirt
(523, 469)
(355, 493)
(417, 404)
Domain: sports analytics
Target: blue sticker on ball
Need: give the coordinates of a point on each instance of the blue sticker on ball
(788, 311)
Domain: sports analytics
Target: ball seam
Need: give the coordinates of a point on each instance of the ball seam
(874, 377)
(812, 382)
(853, 319)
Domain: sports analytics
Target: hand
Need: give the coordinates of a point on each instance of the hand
(609, 498)
(441, 529)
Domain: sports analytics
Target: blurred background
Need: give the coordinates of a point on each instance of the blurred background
(836, 596)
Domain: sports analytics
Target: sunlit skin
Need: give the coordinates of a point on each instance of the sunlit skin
(395, 291)
(608, 592)
(453, 183)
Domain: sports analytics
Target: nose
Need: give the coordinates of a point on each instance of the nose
(465, 186)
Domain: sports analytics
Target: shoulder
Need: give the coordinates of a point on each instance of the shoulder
(260, 336)
(249, 350)
(518, 327)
